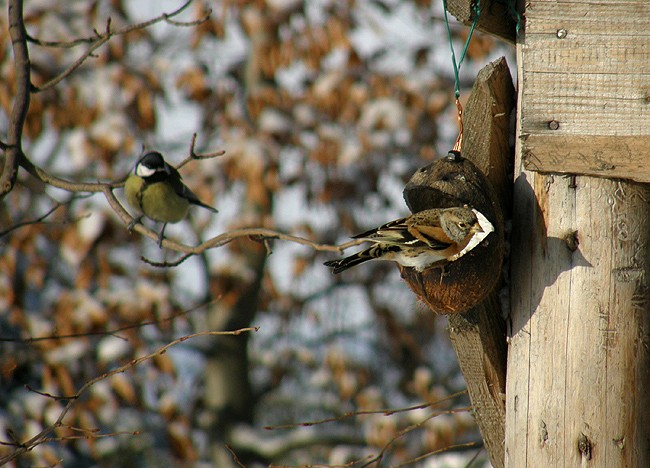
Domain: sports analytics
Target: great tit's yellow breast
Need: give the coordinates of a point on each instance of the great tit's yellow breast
(132, 188)
(160, 202)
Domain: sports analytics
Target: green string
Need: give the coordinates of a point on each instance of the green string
(477, 12)
(515, 14)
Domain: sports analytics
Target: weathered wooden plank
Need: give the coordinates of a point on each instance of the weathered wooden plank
(495, 17)
(580, 299)
(605, 156)
(479, 339)
(615, 55)
(581, 329)
(578, 89)
(575, 117)
(585, 75)
(478, 336)
(579, 18)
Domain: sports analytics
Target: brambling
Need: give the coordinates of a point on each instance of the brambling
(424, 239)
(155, 190)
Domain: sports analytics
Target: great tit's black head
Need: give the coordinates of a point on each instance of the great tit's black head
(150, 164)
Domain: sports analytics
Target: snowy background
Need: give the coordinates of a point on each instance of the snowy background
(325, 109)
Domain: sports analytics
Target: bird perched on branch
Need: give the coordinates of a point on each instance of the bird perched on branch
(155, 190)
(421, 240)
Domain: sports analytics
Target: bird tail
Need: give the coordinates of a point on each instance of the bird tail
(203, 205)
(185, 192)
(377, 251)
(348, 262)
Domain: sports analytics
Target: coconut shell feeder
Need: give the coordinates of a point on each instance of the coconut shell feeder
(460, 285)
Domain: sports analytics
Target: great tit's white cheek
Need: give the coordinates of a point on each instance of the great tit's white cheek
(144, 171)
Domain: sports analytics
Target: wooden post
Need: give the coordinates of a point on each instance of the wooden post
(478, 334)
(585, 88)
(579, 360)
(495, 17)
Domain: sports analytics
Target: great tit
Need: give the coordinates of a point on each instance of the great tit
(156, 191)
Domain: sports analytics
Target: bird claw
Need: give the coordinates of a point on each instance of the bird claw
(133, 222)
(443, 272)
(161, 236)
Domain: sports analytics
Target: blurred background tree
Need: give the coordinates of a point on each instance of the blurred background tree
(324, 109)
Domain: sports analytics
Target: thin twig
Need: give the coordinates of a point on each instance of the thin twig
(234, 456)
(166, 264)
(101, 38)
(182, 24)
(198, 156)
(377, 459)
(413, 461)
(113, 332)
(34, 221)
(90, 434)
(45, 433)
(385, 412)
(64, 44)
(77, 63)
(49, 395)
(97, 35)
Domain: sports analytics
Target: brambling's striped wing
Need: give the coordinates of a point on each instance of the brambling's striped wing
(410, 232)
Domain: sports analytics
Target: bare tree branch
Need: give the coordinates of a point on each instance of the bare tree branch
(43, 436)
(217, 241)
(33, 221)
(113, 332)
(107, 189)
(227, 237)
(94, 38)
(14, 151)
(194, 155)
(385, 412)
(101, 38)
(63, 44)
(16, 157)
(54, 181)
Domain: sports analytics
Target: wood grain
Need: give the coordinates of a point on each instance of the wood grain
(579, 358)
(478, 335)
(494, 19)
(585, 74)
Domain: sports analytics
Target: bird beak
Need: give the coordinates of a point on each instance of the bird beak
(477, 228)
